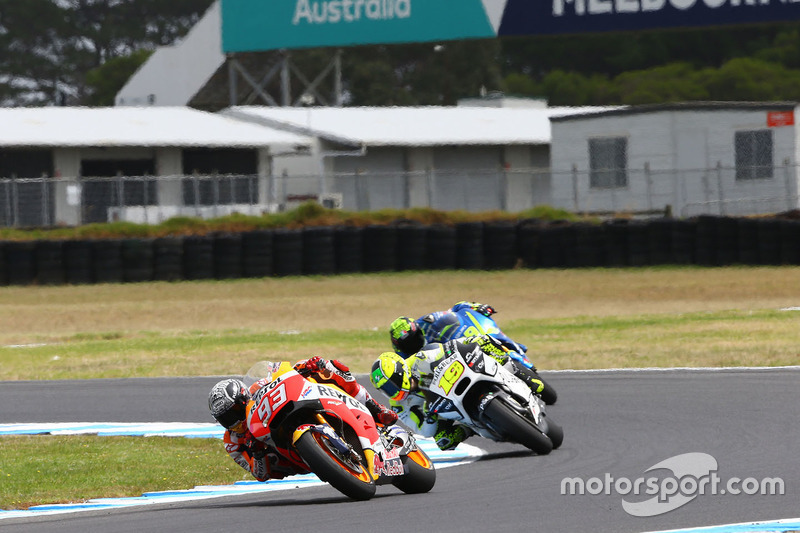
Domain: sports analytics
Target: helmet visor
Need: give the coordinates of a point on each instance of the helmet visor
(389, 376)
(230, 418)
(393, 391)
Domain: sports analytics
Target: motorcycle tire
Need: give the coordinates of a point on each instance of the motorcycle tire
(516, 427)
(548, 394)
(420, 475)
(354, 481)
(554, 432)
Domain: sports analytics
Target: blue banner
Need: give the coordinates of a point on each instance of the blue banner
(532, 17)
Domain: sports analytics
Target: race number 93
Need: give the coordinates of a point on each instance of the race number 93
(450, 376)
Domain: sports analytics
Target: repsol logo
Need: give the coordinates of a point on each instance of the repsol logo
(334, 11)
(601, 7)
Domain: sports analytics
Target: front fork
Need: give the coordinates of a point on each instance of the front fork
(341, 446)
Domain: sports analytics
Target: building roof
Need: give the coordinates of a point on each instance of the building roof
(135, 126)
(412, 126)
(681, 106)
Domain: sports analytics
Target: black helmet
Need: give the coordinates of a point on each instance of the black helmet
(227, 402)
(407, 336)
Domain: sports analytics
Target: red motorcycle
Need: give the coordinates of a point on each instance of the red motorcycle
(321, 429)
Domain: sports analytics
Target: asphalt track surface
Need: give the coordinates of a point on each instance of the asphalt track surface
(616, 423)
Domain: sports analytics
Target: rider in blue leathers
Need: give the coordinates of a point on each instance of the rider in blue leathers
(409, 336)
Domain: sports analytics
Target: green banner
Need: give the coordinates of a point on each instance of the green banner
(254, 25)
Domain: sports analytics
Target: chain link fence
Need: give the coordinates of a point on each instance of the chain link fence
(44, 202)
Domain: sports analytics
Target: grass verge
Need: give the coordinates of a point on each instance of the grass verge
(78, 468)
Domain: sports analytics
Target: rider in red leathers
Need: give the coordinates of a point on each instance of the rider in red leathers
(229, 399)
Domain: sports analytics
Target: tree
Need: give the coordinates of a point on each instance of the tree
(105, 81)
(50, 46)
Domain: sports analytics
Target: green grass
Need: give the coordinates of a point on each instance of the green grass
(708, 339)
(48, 469)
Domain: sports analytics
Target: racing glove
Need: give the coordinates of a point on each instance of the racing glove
(255, 448)
(491, 347)
(381, 413)
(310, 366)
(485, 310)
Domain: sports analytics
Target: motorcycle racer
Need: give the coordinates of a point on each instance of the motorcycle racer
(230, 400)
(405, 382)
(409, 336)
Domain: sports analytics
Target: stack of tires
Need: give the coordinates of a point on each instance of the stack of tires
(404, 246)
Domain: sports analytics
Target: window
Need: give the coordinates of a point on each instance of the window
(753, 154)
(608, 161)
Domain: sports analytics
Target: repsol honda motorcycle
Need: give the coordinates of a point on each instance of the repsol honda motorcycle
(321, 429)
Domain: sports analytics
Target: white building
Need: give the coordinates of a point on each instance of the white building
(728, 158)
(83, 147)
(470, 157)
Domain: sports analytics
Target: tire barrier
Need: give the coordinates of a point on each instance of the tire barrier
(20, 262)
(469, 245)
(78, 262)
(257, 253)
(107, 261)
(348, 244)
(380, 248)
(440, 248)
(790, 241)
(554, 245)
(319, 251)
(168, 259)
(50, 263)
(227, 251)
(769, 242)
(411, 246)
(137, 260)
(287, 250)
(198, 257)
(3, 274)
(704, 240)
(616, 242)
(499, 245)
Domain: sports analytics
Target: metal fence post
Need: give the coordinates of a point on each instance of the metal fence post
(575, 204)
(15, 200)
(791, 203)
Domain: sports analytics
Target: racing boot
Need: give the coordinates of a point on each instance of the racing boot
(448, 435)
(381, 414)
(529, 378)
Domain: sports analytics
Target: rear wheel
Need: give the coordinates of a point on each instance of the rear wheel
(350, 478)
(548, 394)
(516, 427)
(420, 476)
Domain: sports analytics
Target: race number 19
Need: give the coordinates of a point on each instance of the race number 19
(450, 376)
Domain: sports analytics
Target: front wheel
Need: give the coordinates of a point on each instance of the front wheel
(349, 478)
(553, 431)
(516, 427)
(420, 475)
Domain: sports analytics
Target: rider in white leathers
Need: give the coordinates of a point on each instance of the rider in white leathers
(406, 382)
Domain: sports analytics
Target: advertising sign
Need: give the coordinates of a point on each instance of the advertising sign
(256, 25)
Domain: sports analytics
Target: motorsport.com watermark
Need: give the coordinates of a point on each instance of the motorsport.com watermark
(693, 474)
